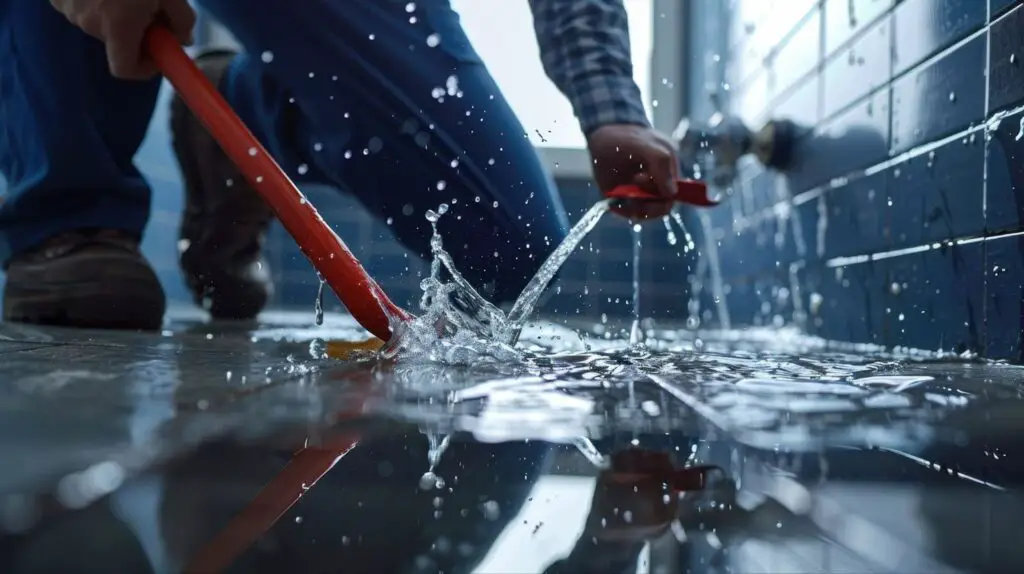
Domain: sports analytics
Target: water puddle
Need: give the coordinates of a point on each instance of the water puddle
(464, 365)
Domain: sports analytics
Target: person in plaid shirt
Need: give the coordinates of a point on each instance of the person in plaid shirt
(383, 99)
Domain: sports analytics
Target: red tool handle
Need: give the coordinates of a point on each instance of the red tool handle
(687, 191)
(328, 253)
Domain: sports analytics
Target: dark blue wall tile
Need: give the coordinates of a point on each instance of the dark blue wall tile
(668, 271)
(751, 101)
(801, 105)
(1005, 175)
(925, 80)
(743, 301)
(923, 27)
(941, 98)
(808, 233)
(857, 138)
(1004, 298)
(846, 18)
(938, 195)
(762, 192)
(856, 222)
(1006, 61)
(935, 299)
(800, 53)
(768, 31)
(394, 267)
(852, 304)
(860, 68)
(744, 253)
(996, 7)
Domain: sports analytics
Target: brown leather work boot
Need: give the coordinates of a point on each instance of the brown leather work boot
(94, 279)
(225, 220)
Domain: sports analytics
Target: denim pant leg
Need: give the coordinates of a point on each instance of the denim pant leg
(396, 108)
(68, 131)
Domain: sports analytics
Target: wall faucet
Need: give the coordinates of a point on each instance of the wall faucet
(713, 150)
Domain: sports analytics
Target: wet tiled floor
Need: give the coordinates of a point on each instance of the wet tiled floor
(144, 453)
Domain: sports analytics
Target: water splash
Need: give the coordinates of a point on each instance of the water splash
(671, 234)
(678, 219)
(527, 300)
(714, 266)
(437, 445)
(636, 334)
(458, 325)
(318, 305)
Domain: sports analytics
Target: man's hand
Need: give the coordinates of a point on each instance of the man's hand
(122, 25)
(629, 154)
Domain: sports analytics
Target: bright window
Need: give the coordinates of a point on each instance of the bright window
(502, 32)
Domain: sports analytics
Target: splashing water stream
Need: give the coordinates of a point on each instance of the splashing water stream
(636, 334)
(318, 306)
(527, 300)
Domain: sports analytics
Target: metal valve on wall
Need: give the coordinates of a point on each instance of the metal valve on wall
(712, 151)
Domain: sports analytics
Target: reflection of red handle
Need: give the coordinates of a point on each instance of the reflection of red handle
(329, 255)
(303, 471)
(687, 191)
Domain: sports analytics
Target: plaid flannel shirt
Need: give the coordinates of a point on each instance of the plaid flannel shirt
(584, 46)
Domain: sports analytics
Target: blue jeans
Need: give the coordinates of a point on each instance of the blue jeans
(342, 92)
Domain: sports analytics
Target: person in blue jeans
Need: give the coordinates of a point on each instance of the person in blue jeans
(384, 99)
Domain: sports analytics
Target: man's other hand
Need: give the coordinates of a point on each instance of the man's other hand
(122, 25)
(629, 154)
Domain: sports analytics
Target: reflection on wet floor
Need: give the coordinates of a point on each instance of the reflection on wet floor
(137, 453)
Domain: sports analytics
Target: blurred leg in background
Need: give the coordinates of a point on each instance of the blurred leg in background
(395, 107)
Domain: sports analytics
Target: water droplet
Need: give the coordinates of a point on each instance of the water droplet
(952, 96)
(318, 146)
(410, 7)
(372, 37)
(441, 185)
(452, 85)
(428, 481)
(252, 152)
(433, 40)
(303, 169)
(491, 510)
(455, 163)
(267, 57)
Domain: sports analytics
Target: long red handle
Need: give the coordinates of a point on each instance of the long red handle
(362, 296)
(687, 191)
